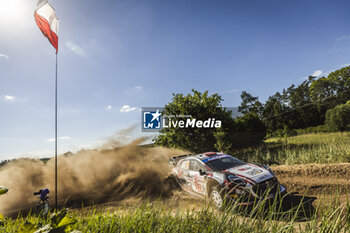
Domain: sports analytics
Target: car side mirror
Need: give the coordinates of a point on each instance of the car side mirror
(202, 173)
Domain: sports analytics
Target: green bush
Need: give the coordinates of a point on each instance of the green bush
(250, 131)
(283, 133)
(338, 118)
(244, 131)
(315, 129)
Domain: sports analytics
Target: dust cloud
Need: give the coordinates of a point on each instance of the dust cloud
(109, 173)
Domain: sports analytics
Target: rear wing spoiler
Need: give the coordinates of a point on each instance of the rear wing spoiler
(174, 160)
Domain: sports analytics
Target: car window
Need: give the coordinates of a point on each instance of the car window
(195, 166)
(224, 163)
(185, 165)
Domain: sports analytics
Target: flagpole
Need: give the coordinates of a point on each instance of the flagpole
(45, 18)
(56, 134)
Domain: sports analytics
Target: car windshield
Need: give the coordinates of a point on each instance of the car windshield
(224, 163)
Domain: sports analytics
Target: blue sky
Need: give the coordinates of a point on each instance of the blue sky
(137, 53)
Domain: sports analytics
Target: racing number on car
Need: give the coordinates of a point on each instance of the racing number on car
(197, 186)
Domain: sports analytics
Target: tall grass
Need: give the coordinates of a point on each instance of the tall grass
(307, 148)
(334, 216)
(155, 217)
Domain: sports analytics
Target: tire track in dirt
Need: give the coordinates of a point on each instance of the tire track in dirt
(315, 179)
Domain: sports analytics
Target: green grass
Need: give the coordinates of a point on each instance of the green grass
(301, 149)
(158, 217)
(155, 217)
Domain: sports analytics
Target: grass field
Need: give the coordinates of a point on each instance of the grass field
(331, 214)
(155, 217)
(301, 149)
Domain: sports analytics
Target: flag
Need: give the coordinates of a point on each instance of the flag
(45, 18)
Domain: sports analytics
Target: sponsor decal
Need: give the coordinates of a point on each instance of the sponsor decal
(264, 177)
(244, 169)
(215, 157)
(254, 172)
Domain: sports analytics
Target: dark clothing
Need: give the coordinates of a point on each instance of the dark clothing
(43, 194)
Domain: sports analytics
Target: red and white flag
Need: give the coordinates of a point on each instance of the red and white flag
(45, 18)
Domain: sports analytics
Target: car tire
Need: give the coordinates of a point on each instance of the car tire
(217, 197)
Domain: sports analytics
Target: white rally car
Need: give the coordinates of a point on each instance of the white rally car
(222, 177)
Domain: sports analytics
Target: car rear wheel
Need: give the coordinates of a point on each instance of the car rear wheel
(216, 197)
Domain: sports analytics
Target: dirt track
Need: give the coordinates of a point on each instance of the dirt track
(311, 180)
(324, 181)
(319, 180)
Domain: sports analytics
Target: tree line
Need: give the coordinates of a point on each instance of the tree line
(319, 104)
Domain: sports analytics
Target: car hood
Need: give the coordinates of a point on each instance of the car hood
(251, 173)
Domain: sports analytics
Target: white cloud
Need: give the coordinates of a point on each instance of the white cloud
(75, 48)
(109, 107)
(344, 65)
(9, 98)
(343, 38)
(5, 56)
(317, 73)
(127, 108)
(138, 88)
(133, 90)
(61, 138)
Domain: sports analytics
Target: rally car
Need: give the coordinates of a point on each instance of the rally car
(222, 177)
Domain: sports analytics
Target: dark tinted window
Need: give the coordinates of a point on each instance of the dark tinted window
(224, 163)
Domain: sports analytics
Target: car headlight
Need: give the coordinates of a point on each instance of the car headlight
(236, 180)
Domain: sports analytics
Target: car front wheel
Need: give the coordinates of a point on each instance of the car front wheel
(216, 197)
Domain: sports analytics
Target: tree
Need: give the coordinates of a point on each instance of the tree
(200, 106)
(250, 104)
(276, 113)
(223, 140)
(304, 105)
(322, 90)
(299, 96)
(303, 111)
(323, 93)
(340, 80)
(234, 133)
(249, 131)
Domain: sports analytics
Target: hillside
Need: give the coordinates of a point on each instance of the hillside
(301, 149)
